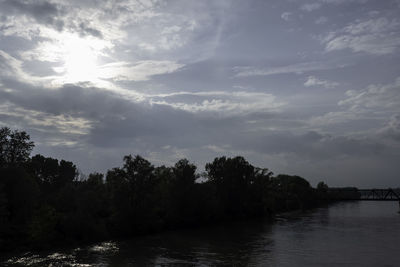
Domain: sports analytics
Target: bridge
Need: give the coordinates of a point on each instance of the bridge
(352, 193)
(379, 194)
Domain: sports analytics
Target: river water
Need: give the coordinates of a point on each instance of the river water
(360, 233)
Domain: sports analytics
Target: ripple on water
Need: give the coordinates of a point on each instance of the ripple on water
(69, 258)
(104, 247)
(29, 259)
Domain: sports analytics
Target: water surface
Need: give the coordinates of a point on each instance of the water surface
(363, 233)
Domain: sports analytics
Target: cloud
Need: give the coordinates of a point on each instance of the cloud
(29, 19)
(43, 12)
(61, 123)
(151, 38)
(77, 114)
(377, 36)
(321, 20)
(374, 98)
(94, 125)
(310, 145)
(392, 128)
(311, 6)
(374, 103)
(9, 65)
(12, 68)
(314, 81)
(94, 80)
(237, 103)
(138, 71)
(339, 2)
(102, 118)
(333, 118)
(179, 29)
(95, 74)
(87, 30)
(317, 4)
(286, 16)
(299, 68)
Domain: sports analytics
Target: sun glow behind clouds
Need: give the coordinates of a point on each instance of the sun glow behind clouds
(80, 60)
(77, 58)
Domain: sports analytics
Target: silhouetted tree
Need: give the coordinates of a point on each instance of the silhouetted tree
(42, 201)
(182, 191)
(4, 214)
(18, 190)
(46, 170)
(50, 172)
(93, 209)
(293, 192)
(119, 196)
(259, 193)
(322, 187)
(232, 177)
(141, 180)
(20, 194)
(15, 146)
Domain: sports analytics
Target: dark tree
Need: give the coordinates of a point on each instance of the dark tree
(292, 192)
(19, 195)
(119, 200)
(232, 177)
(50, 171)
(44, 169)
(322, 187)
(182, 191)
(15, 146)
(42, 201)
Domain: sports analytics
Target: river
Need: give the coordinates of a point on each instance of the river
(359, 233)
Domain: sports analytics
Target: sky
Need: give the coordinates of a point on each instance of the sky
(309, 88)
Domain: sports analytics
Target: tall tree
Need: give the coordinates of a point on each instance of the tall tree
(232, 177)
(15, 146)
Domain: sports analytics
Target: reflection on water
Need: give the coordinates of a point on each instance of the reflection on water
(345, 234)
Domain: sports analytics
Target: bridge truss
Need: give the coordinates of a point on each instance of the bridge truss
(379, 194)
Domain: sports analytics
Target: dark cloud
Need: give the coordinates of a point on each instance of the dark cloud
(311, 145)
(127, 127)
(84, 29)
(116, 120)
(39, 68)
(14, 44)
(42, 11)
(392, 128)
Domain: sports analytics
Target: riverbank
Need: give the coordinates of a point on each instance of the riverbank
(33, 252)
(45, 205)
(357, 233)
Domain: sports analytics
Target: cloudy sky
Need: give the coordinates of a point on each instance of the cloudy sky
(301, 87)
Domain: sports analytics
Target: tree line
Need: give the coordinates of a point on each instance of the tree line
(44, 201)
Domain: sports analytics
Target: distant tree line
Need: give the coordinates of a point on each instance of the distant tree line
(44, 201)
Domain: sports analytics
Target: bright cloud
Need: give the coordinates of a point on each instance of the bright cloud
(299, 68)
(139, 71)
(375, 102)
(314, 81)
(223, 103)
(311, 6)
(286, 16)
(378, 36)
